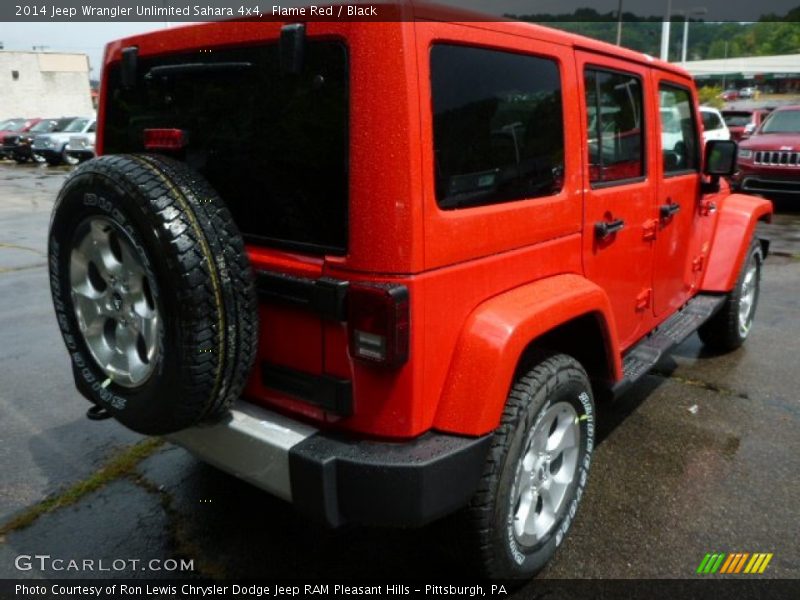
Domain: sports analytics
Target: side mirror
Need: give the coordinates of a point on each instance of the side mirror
(720, 158)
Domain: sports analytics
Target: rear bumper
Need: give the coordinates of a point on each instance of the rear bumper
(340, 480)
(80, 154)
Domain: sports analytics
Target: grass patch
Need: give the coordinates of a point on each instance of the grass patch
(120, 465)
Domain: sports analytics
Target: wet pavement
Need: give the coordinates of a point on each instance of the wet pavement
(701, 456)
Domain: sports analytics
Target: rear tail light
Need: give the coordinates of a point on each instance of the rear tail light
(378, 322)
(164, 139)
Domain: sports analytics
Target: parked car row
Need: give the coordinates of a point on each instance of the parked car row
(56, 140)
(745, 93)
(769, 158)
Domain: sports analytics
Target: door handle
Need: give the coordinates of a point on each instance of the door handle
(603, 229)
(669, 209)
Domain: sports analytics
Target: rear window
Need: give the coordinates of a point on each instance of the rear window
(737, 119)
(497, 126)
(273, 144)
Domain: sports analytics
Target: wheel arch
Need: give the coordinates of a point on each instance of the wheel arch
(736, 223)
(566, 313)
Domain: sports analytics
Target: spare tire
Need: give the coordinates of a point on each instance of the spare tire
(153, 292)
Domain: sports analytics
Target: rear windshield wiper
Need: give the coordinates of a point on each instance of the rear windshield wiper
(195, 68)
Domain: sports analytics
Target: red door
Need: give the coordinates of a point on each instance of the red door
(618, 190)
(677, 260)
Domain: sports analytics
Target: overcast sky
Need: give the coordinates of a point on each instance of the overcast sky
(90, 38)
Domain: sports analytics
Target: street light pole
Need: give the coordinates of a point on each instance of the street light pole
(685, 38)
(619, 23)
(665, 32)
(699, 10)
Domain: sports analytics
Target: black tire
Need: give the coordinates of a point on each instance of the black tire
(53, 159)
(724, 332)
(199, 279)
(499, 554)
(20, 160)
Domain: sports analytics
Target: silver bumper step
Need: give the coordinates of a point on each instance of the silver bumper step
(251, 443)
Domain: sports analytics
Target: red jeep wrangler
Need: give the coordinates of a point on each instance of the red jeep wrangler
(384, 270)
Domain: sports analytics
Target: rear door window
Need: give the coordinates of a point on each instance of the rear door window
(679, 147)
(615, 118)
(498, 127)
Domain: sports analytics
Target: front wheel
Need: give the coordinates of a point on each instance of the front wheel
(67, 159)
(536, 471)
(729, 328)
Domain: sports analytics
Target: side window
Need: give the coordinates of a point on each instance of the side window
(710, 121)
(678, 130)
(615, 126)
(92, 127)
(498, 129)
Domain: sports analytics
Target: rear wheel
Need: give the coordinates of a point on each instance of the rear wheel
(153, 292)
(730, 327)
(536, 471)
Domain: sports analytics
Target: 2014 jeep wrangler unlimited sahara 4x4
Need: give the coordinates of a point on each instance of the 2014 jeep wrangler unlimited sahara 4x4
(384, 270)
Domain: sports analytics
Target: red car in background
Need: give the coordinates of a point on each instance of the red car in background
(742, 123)
(730, 94)
(14, 126)
(769, 160)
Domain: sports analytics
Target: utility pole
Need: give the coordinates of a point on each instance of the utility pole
(619, 23)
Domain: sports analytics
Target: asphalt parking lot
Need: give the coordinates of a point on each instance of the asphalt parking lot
(702, 456)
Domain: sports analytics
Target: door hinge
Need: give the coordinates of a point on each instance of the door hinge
(698, 263)
(644, 299)
(650, 229)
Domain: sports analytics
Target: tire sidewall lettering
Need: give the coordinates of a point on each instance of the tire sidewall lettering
(582, 402)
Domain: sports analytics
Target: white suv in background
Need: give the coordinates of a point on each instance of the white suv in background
(53, 146)
(714, 127)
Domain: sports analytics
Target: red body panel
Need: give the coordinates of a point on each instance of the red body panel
(738, 215)
(474, 395)
(677, 238)
(483, 282)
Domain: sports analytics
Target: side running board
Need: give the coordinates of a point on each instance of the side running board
(644, 355)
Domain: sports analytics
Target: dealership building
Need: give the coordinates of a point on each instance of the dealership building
(775, 74)
(44, 84)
